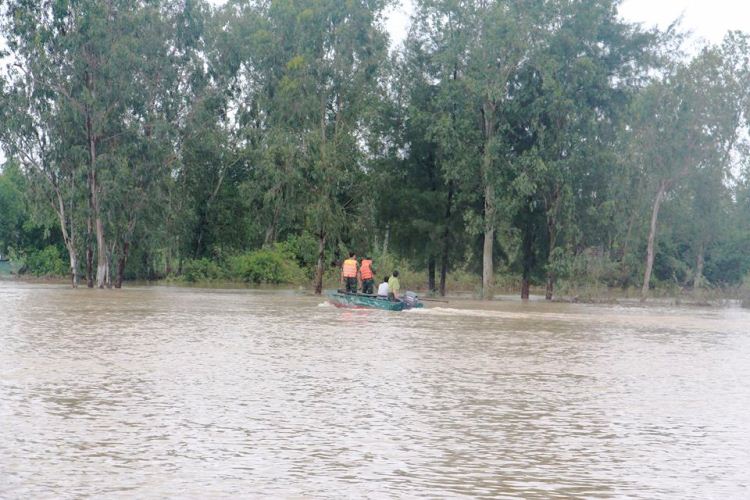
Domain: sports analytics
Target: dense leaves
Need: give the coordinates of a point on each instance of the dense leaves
(550, 142)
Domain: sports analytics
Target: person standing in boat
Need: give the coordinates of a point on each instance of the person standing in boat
(394, 287)
(367, 276)
(349, 273)
(383, 288)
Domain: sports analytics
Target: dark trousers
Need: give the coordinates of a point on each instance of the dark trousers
(368, 286)
(351, 285)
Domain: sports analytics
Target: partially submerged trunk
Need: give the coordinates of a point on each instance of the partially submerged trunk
(443, 276)
(431, 274)
(102, 266)
(652, 239)
(73, 269)
(446, 241)
(528, 262)
(68, 236)
(525, 286)
(553, 204)
(550, 286)
(121, 262)
(699, 265)
(489, 239)
(89, 240)
(320, 267)
(488, 115)
(102, 269)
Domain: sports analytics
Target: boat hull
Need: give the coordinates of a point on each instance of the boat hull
(359, 301)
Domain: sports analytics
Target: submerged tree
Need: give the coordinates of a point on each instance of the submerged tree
(683, 124)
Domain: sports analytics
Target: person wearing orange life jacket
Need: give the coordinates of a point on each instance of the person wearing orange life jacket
(349, 273)
(367, 274)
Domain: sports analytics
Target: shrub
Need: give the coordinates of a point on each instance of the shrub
(201, 270)
(303, 248)
(267, 265)
(46, 262)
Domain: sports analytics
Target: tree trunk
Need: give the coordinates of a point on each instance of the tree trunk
(488, 116)
(387, 238)
(102, 269)
(121, 264)
(446, 241)
(443, 274)
(431, 274)
(68, 236)
(699, 264)
(320, 267)
(528, 262)
(651, 239)
(73, 269)
(550, 286)
(489, 239)
(89, 239)
(270, 238)
(552, 210)
(101, 247)
(89, 257)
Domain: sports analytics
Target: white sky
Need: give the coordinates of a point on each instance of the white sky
(707, 20)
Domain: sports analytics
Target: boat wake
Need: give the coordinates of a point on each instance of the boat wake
(477, 313)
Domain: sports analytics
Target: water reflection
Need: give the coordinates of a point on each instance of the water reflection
(156, 392)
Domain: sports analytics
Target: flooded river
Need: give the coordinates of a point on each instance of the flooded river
(194, 393)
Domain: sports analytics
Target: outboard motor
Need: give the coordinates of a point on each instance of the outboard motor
(411, 299)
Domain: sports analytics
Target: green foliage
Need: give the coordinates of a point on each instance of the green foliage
(303, 248)
(45, 262)
(12, 213)
(204, 269)
(257, 140)
(267, 265)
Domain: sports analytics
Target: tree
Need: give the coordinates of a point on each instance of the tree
(575, 89)
(683, 123)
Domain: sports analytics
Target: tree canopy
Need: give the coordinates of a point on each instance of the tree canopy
(535, 142)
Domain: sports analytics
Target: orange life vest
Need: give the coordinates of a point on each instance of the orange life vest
(366, 269)
(350, 268)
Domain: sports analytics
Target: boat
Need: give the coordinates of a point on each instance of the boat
(340, 298)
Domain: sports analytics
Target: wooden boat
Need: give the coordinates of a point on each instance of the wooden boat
(340, 298)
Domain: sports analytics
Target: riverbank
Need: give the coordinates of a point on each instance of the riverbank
(592, 295)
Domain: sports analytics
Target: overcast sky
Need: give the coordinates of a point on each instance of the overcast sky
(708, 20)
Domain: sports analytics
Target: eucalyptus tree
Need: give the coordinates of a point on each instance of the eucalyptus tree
(576, 87)
(97, 89)
(30, 129)
(418, 199)
(312, 78)
(477, 49)
(683, 123)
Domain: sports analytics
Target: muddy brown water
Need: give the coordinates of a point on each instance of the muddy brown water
(160, 392)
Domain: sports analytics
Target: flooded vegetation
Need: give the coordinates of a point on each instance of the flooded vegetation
(160, 391)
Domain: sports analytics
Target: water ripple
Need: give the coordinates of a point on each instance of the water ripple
(160, 392)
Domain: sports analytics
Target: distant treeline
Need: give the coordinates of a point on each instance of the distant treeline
(551, 141)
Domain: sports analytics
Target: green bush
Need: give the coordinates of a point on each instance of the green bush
(303, 248)
(201, 270)
(267, 265)
(46, 262)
